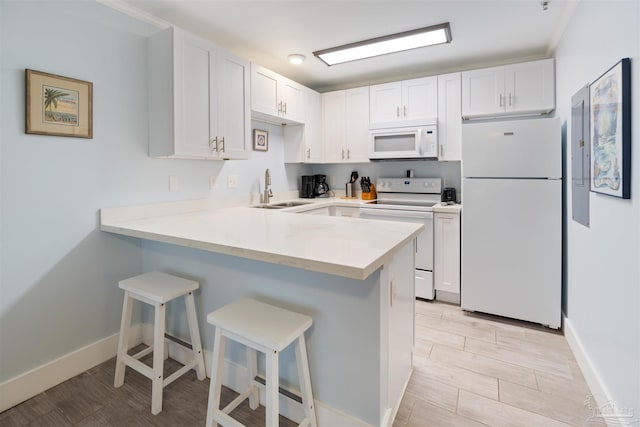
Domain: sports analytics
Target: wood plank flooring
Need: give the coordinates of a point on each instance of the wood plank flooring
(479, 370)
(470, 370)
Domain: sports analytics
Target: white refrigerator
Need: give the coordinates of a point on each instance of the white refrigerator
(512, 219)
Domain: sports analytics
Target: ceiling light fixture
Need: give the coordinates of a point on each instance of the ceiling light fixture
(296, 58)
(422, 37)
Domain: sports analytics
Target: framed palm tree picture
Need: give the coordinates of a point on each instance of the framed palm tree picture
(59, 106)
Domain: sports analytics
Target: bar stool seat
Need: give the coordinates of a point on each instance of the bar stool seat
(156, 289)
(265, 328)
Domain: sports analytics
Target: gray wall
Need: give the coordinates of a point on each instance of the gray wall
(602, 295)
(58, 273)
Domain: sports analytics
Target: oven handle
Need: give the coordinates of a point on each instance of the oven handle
(396, 213)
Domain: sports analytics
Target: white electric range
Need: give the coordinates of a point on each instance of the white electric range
(410, 200)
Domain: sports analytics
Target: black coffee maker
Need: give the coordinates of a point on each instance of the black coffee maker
(307, 187)
(321, 188)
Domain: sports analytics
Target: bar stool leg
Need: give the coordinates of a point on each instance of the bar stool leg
(252, 370)
(194, 331)
(158, 360)
(215, 386)
(272, 389)
(123, 339)
(305, 381)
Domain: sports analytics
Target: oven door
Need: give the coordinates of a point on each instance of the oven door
(424, 249)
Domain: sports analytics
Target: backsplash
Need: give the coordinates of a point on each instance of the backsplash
(448, 171)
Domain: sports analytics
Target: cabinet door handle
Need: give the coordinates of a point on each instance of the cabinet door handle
(222, 144)
(500, 100)
(441, 150)
(348, 153)
(213, 141)
(343, 154)
(280, 107)
(405, 111)
(398, 111)
(308, 153)
(510, 103)
(284, 108)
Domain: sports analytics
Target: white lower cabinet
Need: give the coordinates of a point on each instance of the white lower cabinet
(198, 99)
(446, 263)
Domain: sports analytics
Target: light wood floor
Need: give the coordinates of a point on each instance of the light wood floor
(475, 370)
(470, 370)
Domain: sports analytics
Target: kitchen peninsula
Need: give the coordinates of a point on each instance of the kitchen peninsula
(358, 286)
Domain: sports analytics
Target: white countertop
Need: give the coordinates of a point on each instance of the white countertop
(455, 208)
(348, 247)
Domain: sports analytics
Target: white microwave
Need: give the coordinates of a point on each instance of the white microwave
(404, 143)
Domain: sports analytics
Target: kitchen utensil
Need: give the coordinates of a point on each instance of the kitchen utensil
(351, 190)
(354, 176)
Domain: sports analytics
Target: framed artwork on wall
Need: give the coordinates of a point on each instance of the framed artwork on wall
(610, 127)
(58, 106)
(260, 140)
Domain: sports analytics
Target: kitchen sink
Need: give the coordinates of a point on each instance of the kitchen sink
(281, 205)
(290, 204)
(268, 207)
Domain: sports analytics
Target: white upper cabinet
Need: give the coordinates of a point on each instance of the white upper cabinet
(404, 103)
(303, 143)
(275, 98)
(518, 89)
(449, 117)
(198, 99)
(345, 126)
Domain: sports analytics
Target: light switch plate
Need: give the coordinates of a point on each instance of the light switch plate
(232, 181)
(173, 183)
(212, 182)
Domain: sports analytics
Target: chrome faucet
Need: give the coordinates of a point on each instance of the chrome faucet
(268, 194)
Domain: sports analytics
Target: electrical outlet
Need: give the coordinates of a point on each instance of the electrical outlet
(232, 181)
(173, 183)
(212, 182)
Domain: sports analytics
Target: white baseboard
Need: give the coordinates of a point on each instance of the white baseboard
(601, 402)
(29, 384)
(25, 386)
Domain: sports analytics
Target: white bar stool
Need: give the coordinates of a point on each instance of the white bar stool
(157, 289)
(270, 330)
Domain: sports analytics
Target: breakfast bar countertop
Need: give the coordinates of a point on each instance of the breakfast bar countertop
(347, 247)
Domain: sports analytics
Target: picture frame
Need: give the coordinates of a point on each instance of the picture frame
(610, 130)
(260, 140)
(58, 105)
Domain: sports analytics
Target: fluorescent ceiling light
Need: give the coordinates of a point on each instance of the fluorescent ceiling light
(435, 34)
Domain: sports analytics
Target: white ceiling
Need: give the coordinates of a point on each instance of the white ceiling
(484, 33)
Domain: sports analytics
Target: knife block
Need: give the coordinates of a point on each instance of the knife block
(370, 195)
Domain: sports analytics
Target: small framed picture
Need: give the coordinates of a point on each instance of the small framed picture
(260, 140)
(58, 106)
